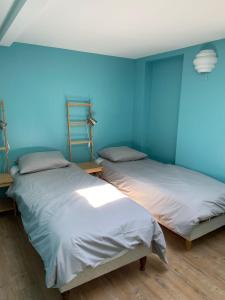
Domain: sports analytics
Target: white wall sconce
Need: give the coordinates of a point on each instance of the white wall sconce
(205, 61)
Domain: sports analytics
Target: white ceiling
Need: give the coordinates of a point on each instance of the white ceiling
(126, 28)
(4, 8)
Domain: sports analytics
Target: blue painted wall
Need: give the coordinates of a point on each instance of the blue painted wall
(164, 86)
(201, 130)
(201, 123)
(35, 80)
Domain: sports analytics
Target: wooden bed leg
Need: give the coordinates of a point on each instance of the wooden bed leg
(143, 261)
(188, 244)
(14, 208)
(66, 295)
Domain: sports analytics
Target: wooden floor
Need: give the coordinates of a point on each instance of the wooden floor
(190, 275)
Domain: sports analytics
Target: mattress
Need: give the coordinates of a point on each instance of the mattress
(177, 197)
(76, 221)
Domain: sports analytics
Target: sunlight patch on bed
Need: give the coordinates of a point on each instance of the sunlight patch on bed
(98, 196)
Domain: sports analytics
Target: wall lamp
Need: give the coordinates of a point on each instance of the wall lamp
(205, 61)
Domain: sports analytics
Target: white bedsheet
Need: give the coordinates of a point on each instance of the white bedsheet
(75, 220)
(177, 197)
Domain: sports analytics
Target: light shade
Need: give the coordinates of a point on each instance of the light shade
(205, 61)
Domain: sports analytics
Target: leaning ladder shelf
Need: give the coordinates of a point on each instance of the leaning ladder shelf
(5, 146)
(73, 123)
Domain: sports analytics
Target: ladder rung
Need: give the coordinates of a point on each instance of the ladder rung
(79, 104)
(80, 142)
(78, 123)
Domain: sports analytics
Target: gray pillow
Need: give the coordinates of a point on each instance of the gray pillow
(124, 153)
(40, 161)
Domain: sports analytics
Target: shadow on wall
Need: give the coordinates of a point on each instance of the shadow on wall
(162, 92)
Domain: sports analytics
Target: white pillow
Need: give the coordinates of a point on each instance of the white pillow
(14, 170)
(40, 161)
(123, 153)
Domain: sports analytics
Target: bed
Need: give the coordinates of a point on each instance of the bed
(188, 203)
(81, 226)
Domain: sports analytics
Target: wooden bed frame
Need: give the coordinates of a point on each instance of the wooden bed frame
(139, 253)
(203, 228)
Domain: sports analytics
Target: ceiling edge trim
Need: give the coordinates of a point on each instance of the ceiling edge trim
(10, 17)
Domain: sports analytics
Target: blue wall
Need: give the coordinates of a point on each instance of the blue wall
(35, 80)
(164, 86)
(201, 124)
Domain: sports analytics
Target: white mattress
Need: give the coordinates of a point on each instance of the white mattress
(177, 197)
(76, 221)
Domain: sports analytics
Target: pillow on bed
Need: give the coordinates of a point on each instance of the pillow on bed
(40, 161)
(117, 154)
(13, 171)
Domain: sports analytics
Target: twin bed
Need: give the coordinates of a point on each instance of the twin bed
(188, 203)
(84, 227)
(81, 226)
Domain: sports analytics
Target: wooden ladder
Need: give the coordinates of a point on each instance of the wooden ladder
(73, 123)
(5, 146)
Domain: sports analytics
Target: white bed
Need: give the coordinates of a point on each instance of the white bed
(81, 226)
(186, 202)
